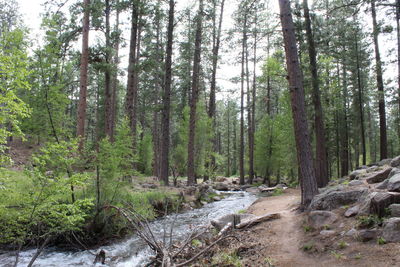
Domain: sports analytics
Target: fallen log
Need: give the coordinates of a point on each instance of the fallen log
(259, 219)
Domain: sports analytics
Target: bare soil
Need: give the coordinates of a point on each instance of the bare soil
(281, 242)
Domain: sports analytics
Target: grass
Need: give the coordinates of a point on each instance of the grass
(241, 211)
(381, 241)
(308, 246)
(342, 244)
(226, 259)
(368, 221)
(277, 192)
(337, 255)
(307, 228)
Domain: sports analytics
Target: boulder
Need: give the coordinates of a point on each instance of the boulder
(365, 204)
(355, 183)
(252, 190)
(394, 183)
(330, 200)
(394, 172)
(383, 200)
(353, 211)
(356, 174)
(379, 176)
(327, 233)
(394, 210)
(221, 187)
(395, 162)
(352, 232)
(216, 198)
(384, 162)
(391, 229)
(235, 219)
(367, 235)
(320, 218)
(383, 185)
(372, 169)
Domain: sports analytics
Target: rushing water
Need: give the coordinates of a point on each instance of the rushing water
(133, 251)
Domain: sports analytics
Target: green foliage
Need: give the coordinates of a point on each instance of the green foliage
(307, 228)
(277, 192)
(342, 244)
(226, 259)
(381, 241)
(368, 221)
(146, 154)
(13, 78)
(308, 246)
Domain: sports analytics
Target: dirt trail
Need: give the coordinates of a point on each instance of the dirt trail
(279, 242)
(283, 236)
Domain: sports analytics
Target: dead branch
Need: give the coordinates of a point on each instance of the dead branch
(259, 219)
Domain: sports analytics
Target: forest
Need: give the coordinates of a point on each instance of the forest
(116, 113)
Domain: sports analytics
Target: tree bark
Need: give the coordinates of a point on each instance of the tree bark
(167, 98)
(107, 75)
(321, 166)
(302, 137)
(398, 63)
(114, 93)
(241, 156)
(194, 97)
(131, 91)
(379, 81)
(83, 80)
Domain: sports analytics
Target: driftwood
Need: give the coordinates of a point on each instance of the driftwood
(259, 219)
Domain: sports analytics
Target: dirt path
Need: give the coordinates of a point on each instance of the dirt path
(280, 242)
(282, 237)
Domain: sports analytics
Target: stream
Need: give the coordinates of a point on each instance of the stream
(133, 251)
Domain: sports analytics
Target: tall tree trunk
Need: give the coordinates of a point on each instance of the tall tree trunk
(132, 90)
(241, 156)
(321, 166)
(303, 146)
(167, 97)
(107, 76)
(215, 53)
(228, 173)
(114, 93)
(253, 106)
(344, 134)
(194, 96)
(83, 80)
(360, 105)
(398, 63)
(379, 81)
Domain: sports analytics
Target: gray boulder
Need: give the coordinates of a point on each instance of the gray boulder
(320, 218)
(394, 183)
(327, 233)
(379, 176)
(395, 162)
(353, 211)
(352, 232)
(383, 200)
(372, 169)
(384, 162)
(394, 172)
(330, 200)
(367, 234)
(391, 229)
(365, 203)
(383, 185)
(235, 219)
(221, 187)
(356, 183)
(394, 210)
(356, 174)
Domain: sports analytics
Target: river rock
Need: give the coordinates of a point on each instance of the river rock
(235, 219)
(367, 234)
(356, 174)
(355, 182)
(216, 198)
(391, 229)
(319, 218)
(394, 210)
(221, 187)
(395, 162)
(379, 176)
(394, 183)
(384, 162)
(353, 211)
(330, 200)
